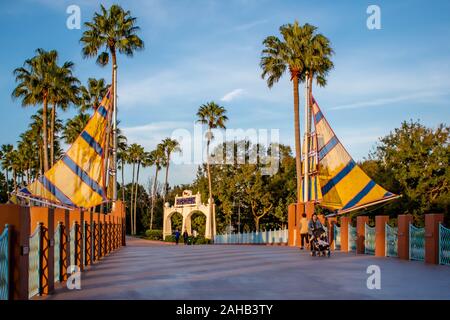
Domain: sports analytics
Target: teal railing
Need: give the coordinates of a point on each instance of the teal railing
(35, 262)
(416, 243)
(268, 236)
(369, 239)
(57, 252)
(391, 241)
(337, 237)
(444, 245)
(73, 245)
(4, 263)
(352, 236)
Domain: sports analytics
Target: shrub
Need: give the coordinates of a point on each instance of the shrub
(154, 234)
(170, 238)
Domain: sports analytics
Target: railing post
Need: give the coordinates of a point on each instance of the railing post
(345, 221)
(360, 233)
(380, 235)
(403, 235)
(432, 221)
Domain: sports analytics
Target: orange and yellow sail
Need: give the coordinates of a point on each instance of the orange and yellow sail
(336, 181)
(78, 178)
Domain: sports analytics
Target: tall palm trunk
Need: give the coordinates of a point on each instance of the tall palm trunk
(298, 150)
(7, 183)
(123, 183)
(44, 131)
(210, 202)
(131, 201)
(52, 135)
(135, 194)
(166, 186)
(152, 210)
(15, 179)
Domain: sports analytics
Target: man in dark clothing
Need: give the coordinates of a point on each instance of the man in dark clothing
(177, 236)
(185, 237)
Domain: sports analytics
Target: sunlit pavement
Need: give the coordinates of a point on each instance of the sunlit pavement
(151, 270)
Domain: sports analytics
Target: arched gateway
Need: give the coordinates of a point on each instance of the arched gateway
(187, 205)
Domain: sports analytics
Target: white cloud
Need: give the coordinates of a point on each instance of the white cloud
(232, 95)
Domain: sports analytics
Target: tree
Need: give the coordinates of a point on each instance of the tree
(111, 31)
(305, 55)
(74, 127)
(122, 157)
(64, 90)
(213, 116)
(169, 146)
(35, 80)
(6, 151)
(92, 95)
(413, 161)
(157, 159)
(135, 156)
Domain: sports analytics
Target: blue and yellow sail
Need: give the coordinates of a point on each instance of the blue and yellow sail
(336, 181)
(78, 179)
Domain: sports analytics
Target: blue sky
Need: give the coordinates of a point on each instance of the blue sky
(202, 50)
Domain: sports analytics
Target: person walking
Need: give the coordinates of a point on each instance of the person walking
(303, 231)
(185, 236)
(177, 236)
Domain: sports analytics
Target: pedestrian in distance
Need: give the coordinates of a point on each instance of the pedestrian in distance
(303, 231)
(177, 236)
(185, 236)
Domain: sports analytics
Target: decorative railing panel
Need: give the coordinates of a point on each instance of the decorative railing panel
(391, 241)
(337, 237)
(4, 263)
(416, 243)
(369, 239)
(57, 252)
(34, 264)
(444, 245)
(352, 236)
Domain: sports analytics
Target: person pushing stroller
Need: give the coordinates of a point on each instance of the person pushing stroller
(318, 241)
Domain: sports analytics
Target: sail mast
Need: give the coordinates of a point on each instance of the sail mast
(114, 151)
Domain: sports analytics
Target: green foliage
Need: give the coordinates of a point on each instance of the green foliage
(154, 234)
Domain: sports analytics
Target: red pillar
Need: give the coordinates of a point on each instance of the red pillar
(360, 232)
(403, 235)
(380, 235)
(345, 221)
(291, 224)
(432, 222)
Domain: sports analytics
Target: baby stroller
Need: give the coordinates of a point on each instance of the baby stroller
(319, 243)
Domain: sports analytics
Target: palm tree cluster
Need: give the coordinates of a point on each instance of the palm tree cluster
(138, 158)
(42, 81)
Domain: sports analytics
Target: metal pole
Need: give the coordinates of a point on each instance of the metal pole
(114, 150)
(306, 154)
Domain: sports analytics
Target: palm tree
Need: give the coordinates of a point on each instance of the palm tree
(157, 159)
(6, 151)
(65, 90)
(135, 155)
(214, 117)
(111, 31)
(35, 80)
(169, 146)
(305, 55)
(92, 95)
(74, 127)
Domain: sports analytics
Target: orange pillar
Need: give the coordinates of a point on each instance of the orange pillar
(292, 224)
(432, 221)
(345, 221)
(403, 235)
(380, 235)
(360, 232)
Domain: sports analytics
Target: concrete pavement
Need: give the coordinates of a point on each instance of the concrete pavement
(152, 270)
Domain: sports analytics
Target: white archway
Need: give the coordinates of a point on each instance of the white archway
(186, 205)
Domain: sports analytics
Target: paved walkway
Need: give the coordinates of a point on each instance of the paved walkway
(151, 270)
